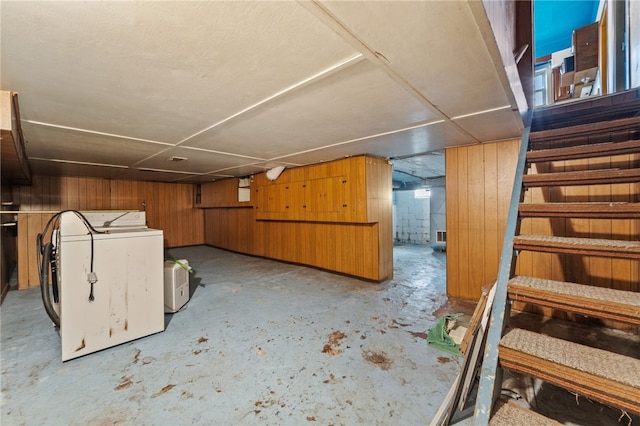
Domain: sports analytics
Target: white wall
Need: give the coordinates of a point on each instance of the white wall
(438, 208)
(410, 218)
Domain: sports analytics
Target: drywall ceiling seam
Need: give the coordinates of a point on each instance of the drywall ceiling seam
(193, 148)
(486, 111)
(309, 80)
(256, 165)
(314, 78)
(377, 135)
(376, 58)
(93, 132)
(82, 163)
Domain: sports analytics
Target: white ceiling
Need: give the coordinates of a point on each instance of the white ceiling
(115, 89)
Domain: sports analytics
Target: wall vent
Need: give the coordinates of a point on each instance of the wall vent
(441, 236)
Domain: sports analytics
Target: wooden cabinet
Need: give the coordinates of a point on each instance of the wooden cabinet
(586, 50)
(334, 215)
(330, 192)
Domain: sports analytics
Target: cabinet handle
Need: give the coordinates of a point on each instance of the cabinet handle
(304, 207)
(344, 181)
(286, 207)
(344, 205)
(286, 187)
(304, 186)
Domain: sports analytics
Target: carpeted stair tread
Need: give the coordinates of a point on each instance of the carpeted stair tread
(608, 377)
(584, 151)
(510, 414)
(583, 177)
(602, 210)
(589, 300)
(585, 246)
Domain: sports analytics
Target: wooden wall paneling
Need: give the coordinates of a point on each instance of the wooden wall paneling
(345, 249)
(82, 203)
(463, 223)
(601, 268)
(371, 250)
(260, 237)
(385, 231)
(196, 220)
(453, 210)
(490, 225)
(93, 194)
(622, 270)
(476, 166)
(38, 197)
(329, 241)
(463, 206)
(210, 221)
(333, 249)
(577, 267)
(29, 226)
(38, 194)
(379, 208)
(181, 194)
(356, 189)
(23, 252)
(117, 194)
(70, 187)
(248, 231)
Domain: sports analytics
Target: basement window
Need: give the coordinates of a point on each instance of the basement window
(422, 193)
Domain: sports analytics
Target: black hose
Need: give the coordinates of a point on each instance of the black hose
(44, 258)
(44, 281)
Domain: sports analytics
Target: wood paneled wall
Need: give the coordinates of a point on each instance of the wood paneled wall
(479, 181)
(346, 248)
(478, 190)
(356, 242)
(7, 243)
(168, 207)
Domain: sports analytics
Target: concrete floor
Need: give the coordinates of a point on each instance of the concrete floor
(260, 342)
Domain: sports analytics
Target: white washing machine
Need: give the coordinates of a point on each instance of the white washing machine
(126, 301)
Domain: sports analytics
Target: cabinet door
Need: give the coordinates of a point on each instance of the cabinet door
(585, 46)
(326, 199)
(282, 201)
(294, 199)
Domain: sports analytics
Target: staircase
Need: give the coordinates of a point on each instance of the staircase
(575, 203)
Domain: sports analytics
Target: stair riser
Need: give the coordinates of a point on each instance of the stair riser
(582, 252)
(617, 395)
(603, 311)
(584, 152)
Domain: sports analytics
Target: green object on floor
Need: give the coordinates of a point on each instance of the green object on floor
(439, 338)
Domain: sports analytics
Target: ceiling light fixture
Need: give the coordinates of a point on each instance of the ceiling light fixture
(274, 173)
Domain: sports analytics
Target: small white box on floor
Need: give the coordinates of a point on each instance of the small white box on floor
(176, 285)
